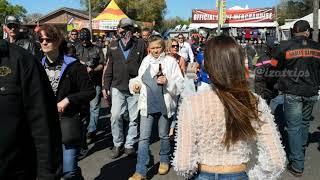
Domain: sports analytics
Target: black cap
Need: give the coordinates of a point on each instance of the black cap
(11, 20)
(301, 26)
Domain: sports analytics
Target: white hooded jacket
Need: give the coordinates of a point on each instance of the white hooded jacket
(174, 86)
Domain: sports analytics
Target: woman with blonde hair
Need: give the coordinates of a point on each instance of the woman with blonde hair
(172, 49)
(216, 127)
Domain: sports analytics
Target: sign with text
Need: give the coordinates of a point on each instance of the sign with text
(110, 25)
(234, 16)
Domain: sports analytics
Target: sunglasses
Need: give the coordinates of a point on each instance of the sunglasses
(48, 40)
(175, 46)
(15, 26)
(180, 37)
(74, 34)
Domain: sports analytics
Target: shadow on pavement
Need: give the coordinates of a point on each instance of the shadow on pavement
(102, 141)
(124, 168)
(314, 137)
(120, 169)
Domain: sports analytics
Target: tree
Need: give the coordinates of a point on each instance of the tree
(96, 5)
(33, 17)
(293, 9)
(173, 22)
(139, 10)
(8, 9)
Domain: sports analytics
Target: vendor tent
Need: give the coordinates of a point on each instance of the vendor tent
(308, 18)
(260, 17)
(109, 18)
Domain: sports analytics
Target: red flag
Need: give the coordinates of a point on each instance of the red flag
(37, 28)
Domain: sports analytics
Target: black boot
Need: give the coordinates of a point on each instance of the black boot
(116, 152)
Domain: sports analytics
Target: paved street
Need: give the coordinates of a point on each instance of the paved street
(99, 166)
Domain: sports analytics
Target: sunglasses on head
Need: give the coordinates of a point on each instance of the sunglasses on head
(48, 40)
(175, 46)
(10, 26)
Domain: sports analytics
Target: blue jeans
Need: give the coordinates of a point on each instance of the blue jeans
(297, 113)
(94, 110)
(228, 176)
(120, 103)
(71, 170)
(144, 141)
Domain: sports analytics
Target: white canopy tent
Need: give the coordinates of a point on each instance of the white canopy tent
(233, 25)
(308, 18)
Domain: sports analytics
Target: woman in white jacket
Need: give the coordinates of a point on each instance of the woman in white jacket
(159, 82)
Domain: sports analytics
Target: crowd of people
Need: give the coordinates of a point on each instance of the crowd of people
(51, 91)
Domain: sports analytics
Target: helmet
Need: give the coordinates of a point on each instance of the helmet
(84, 34)
(11, 20)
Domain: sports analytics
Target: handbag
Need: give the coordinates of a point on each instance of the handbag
(70, 129)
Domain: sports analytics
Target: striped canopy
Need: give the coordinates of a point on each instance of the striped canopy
(111, 12)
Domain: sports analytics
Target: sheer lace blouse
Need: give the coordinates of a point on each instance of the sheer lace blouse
(200, 131)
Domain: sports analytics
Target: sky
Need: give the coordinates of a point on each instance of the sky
(181, 8)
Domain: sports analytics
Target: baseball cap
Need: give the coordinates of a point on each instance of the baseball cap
(301, 26)
(11, 20)
(125, 22)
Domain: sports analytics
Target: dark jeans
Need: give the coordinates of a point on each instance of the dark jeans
(227, 176)
(95, 105)
(71, 170)
(297, 114)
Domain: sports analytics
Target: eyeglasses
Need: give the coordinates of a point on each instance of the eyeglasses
(175, 46)
(48, 40)
(15, 26)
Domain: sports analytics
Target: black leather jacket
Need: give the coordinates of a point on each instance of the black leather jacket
(92, 56)
(30, 135)
(33, 47)
(263, 83)
(298, 60)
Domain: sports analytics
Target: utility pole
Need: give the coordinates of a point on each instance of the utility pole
(221, 8)
(90, 17)
(219, 16)
(315, 35)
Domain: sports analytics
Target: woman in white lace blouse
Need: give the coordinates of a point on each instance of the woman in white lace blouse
(216, 127)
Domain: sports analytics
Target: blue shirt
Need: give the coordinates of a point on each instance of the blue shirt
(202, 74)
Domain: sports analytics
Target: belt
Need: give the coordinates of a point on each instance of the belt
(223, 169)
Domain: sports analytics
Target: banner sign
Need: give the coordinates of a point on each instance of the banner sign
(235, 16)
(110, 25)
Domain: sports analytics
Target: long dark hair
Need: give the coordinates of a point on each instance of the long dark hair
(224, 62)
